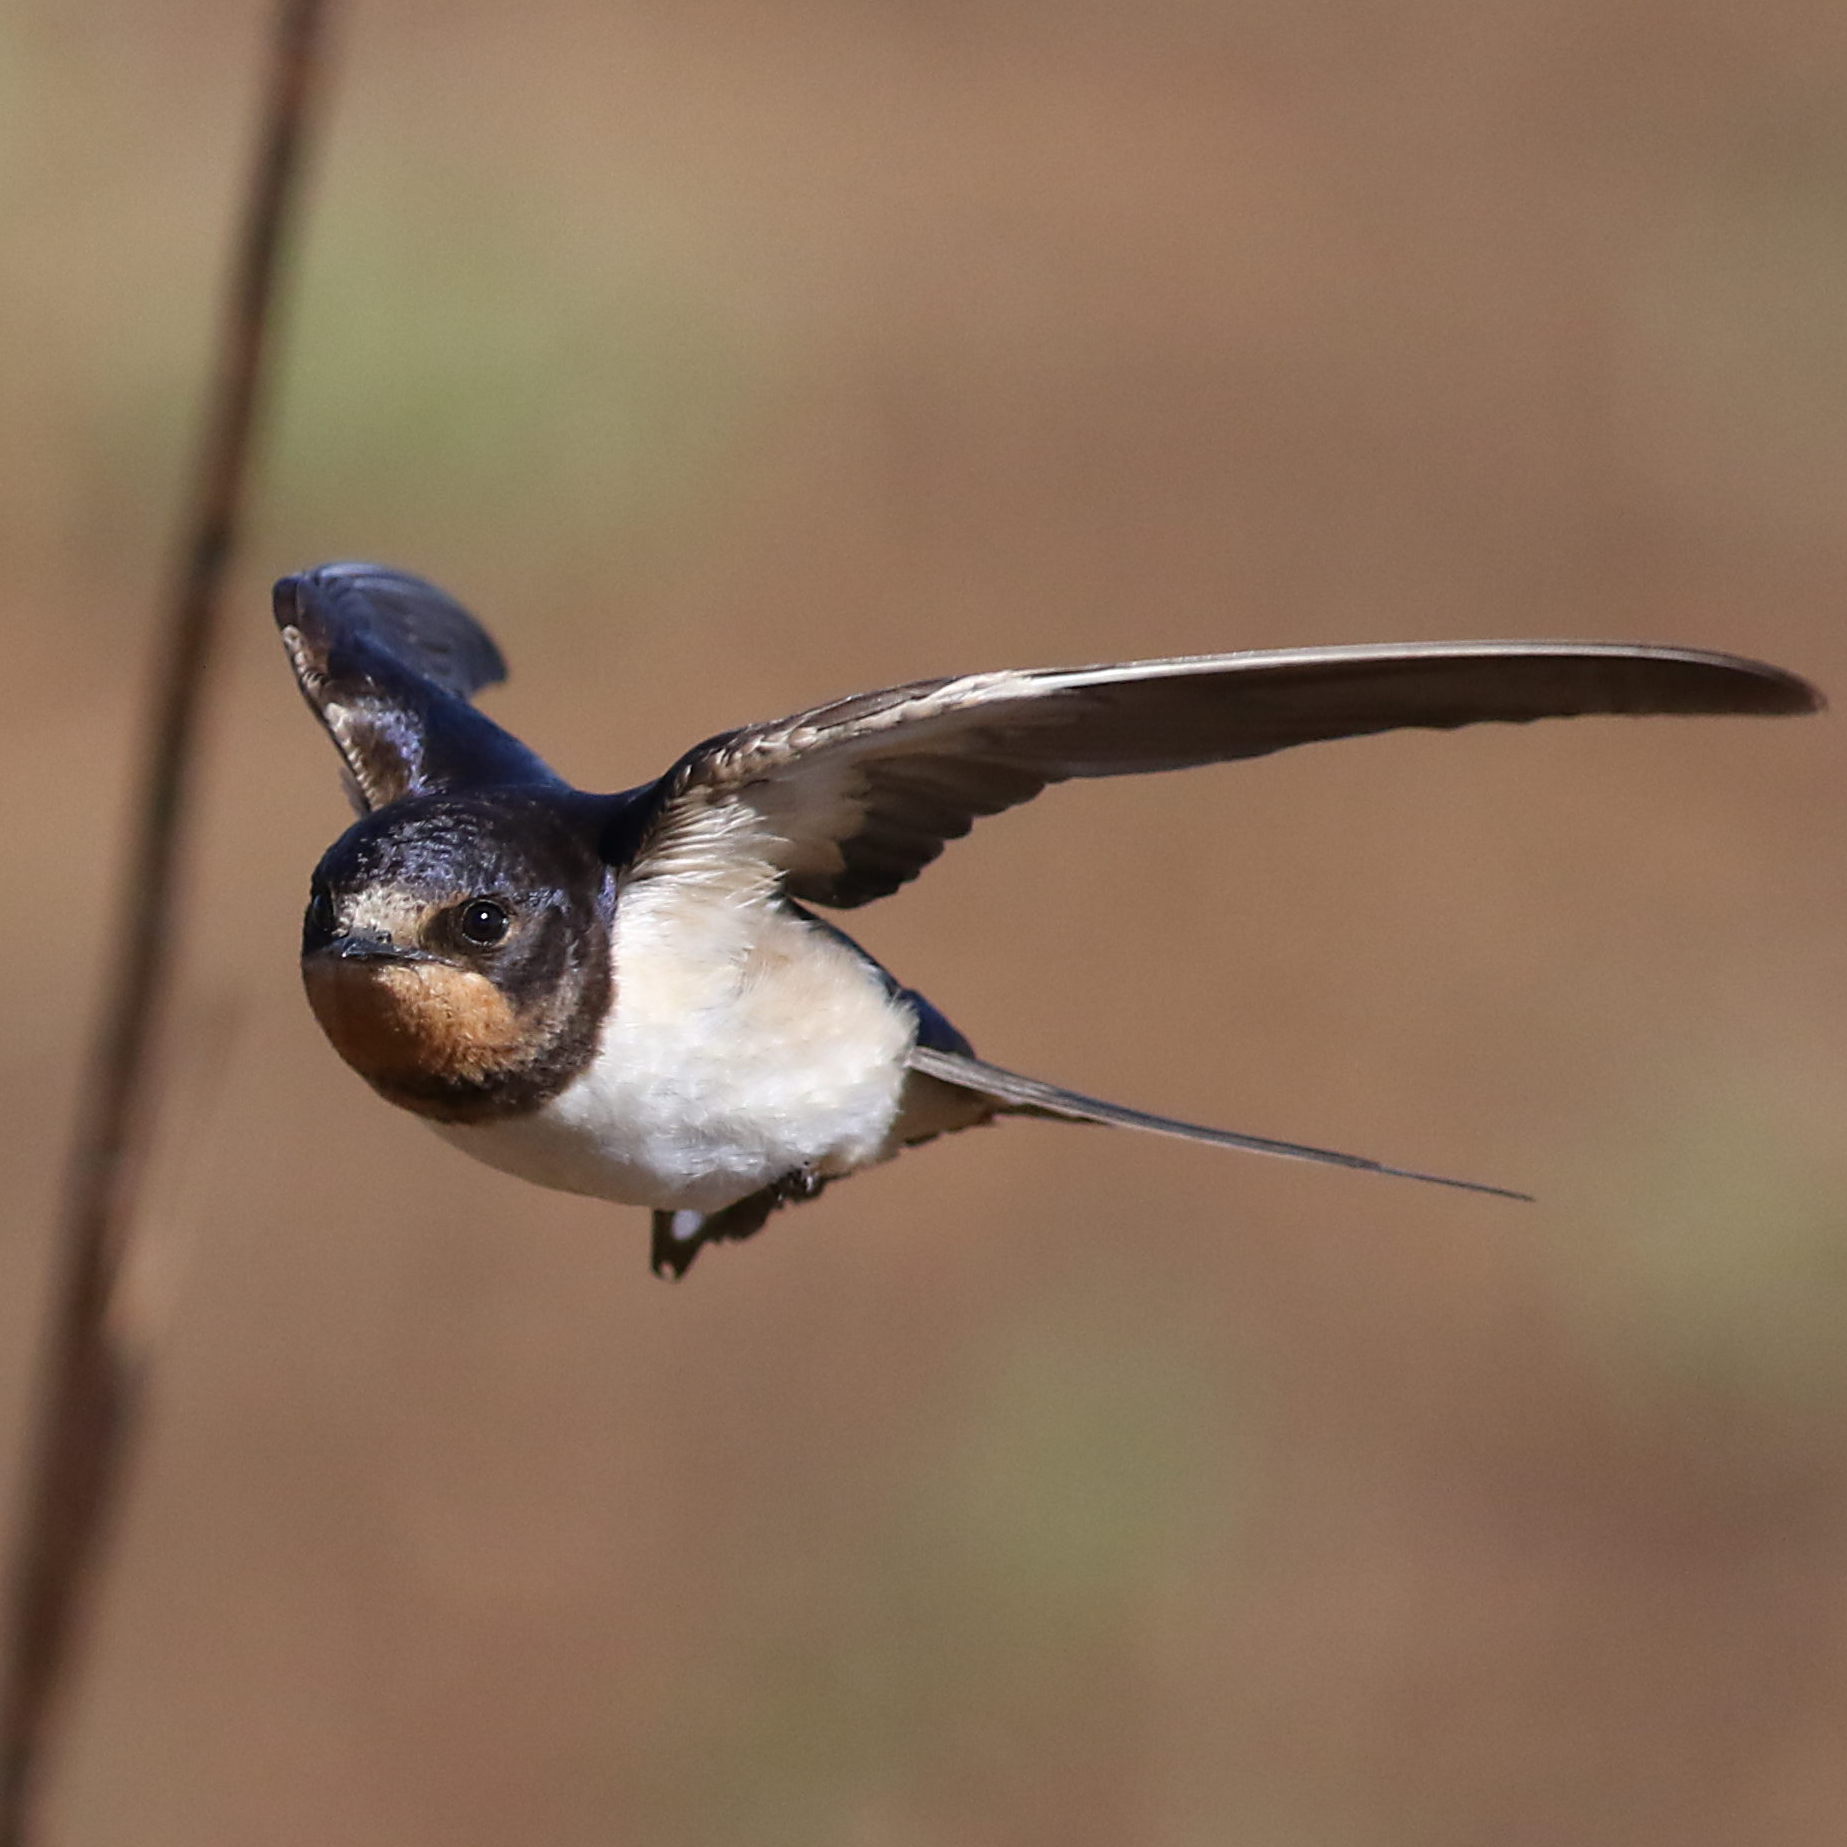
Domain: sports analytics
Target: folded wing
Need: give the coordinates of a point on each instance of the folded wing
(849, 801)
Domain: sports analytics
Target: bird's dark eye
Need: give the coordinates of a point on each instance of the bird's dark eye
(483, 922)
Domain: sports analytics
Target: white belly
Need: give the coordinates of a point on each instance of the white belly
(743, 1045)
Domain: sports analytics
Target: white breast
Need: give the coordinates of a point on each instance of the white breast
(743, 1044)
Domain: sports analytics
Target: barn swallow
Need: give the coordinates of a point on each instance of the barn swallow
(625, 995)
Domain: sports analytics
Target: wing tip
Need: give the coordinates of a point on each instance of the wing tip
(1774, 692)
(289, 595)
(1751, 688)
(414, 620)
(1800, 696)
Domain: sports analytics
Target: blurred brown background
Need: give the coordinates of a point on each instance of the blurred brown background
(1051, 1486)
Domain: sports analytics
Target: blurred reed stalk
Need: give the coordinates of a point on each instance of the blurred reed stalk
(92, 1386)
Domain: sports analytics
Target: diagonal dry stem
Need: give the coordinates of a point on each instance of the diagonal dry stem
(90, 1392)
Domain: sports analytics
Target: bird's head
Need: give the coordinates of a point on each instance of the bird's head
(456, 950)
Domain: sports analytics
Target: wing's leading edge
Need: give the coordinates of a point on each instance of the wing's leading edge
(849, 801)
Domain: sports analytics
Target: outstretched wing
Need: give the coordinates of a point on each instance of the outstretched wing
(849, 801)
(388, 662)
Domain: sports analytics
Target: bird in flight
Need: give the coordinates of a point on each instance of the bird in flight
(626, 996)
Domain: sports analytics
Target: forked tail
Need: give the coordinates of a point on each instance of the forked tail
(1028, 1096)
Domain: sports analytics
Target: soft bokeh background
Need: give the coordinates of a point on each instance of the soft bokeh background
(1051, 1486)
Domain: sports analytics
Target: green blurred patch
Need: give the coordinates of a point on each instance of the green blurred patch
(1081, 1465)
(1739, 393)
(465, 366)
(1717, 1266)
(989, 1640)
(15, 119)
(457, 361)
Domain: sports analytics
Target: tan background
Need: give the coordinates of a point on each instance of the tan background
(1049, 1487)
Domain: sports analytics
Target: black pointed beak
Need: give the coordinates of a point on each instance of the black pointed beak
(364, 946)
